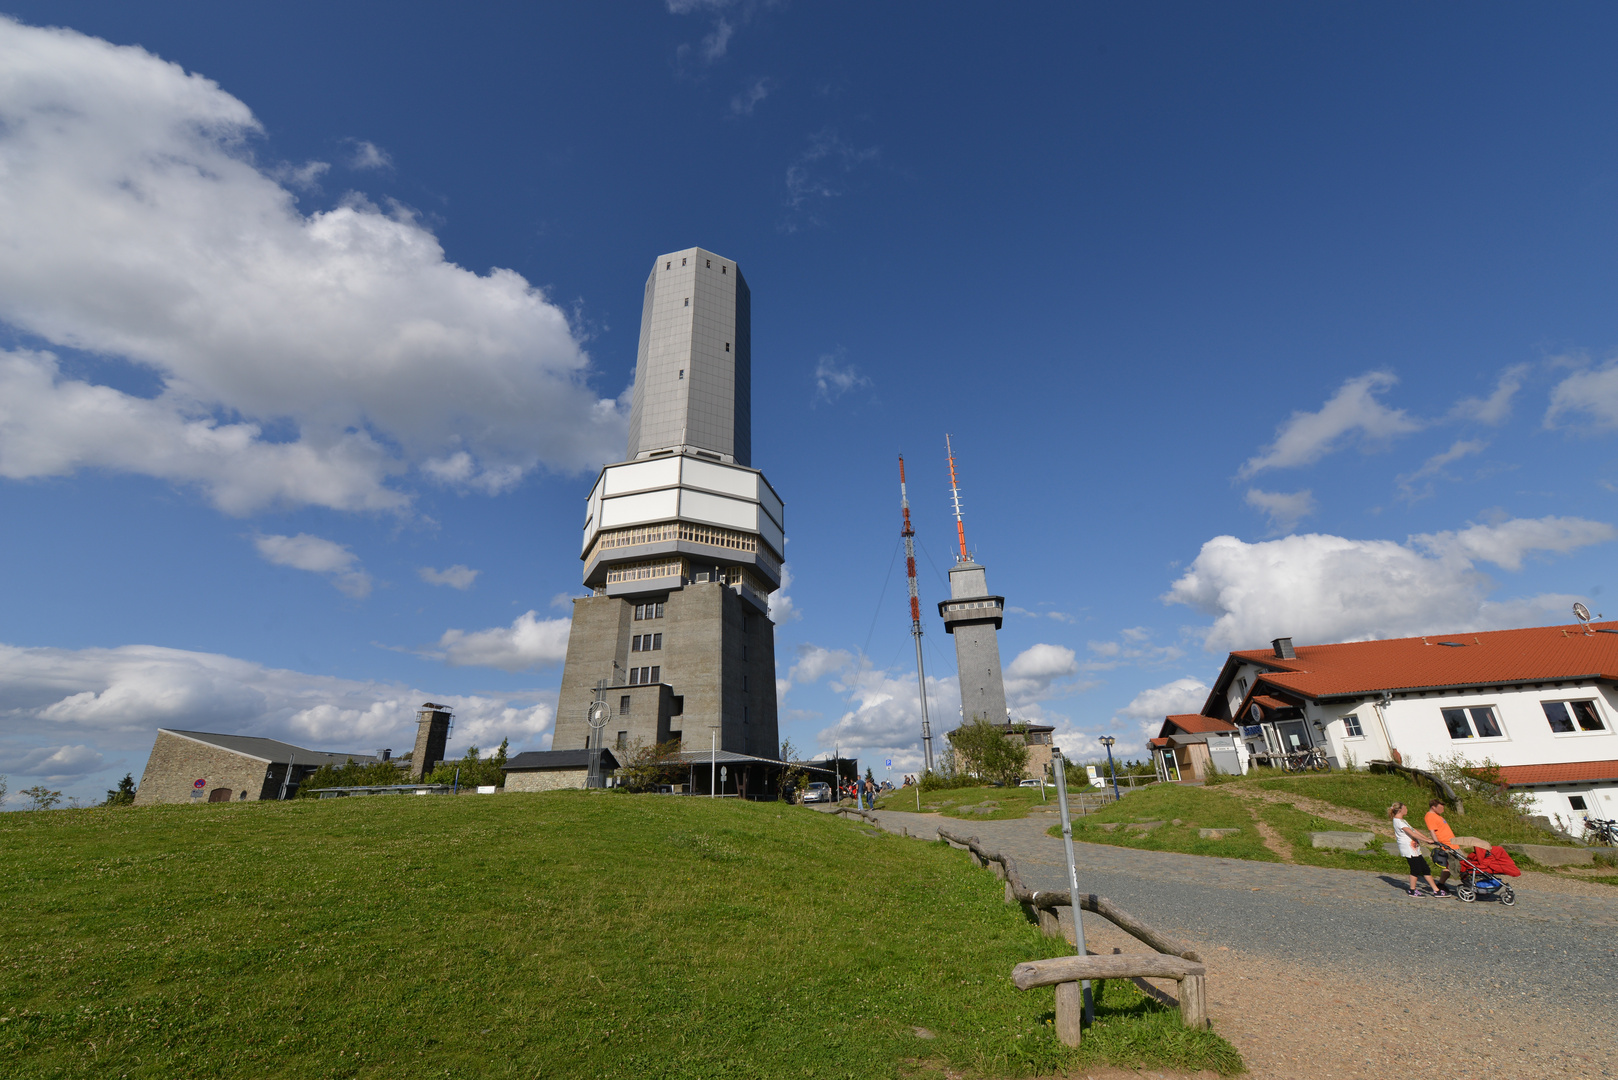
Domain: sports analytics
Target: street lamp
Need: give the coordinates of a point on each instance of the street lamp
(1107, 741)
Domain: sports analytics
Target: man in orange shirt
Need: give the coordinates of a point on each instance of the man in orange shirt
(1441, 832)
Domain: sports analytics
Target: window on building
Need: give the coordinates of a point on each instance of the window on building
(744, 714)
(682, 373)
(710, 264)
(669, 265)
(688, 301)
(1564, 715)
(623, 705)
(623, 741)
(1468, 723)
(723, 268)
(744, 684)
(1241, 685)
(727, 346)
(1577, 802)
(682, 262)
(634, 643)
(1351, 727)
(634, 676)
(657, 675)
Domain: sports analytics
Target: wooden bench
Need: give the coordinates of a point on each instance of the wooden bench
(1067, 972)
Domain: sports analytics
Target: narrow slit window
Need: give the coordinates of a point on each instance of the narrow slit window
(682, 262)
(710, 263)
(688, 301)
(669, 265)
(727, 346)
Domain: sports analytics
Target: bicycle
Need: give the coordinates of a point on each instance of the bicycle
(1601, 831)
(1311, 760)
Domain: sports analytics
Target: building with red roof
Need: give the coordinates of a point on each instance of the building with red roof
(1540, 702)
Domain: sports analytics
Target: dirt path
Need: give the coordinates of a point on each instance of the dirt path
(1357, 818)
(1272, 839)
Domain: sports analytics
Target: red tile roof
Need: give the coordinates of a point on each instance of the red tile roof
(1195, 724)
(1272, 702)
(1536, 654)
(1564, 772)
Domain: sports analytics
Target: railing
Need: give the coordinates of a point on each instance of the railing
(1172, 960)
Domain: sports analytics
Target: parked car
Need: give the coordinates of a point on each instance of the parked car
(817, 792)
(1031, 783)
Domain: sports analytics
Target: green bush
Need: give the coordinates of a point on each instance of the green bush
(350, 774)
(931, 781)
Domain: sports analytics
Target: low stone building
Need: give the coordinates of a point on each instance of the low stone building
(200, 766)
(552, 770)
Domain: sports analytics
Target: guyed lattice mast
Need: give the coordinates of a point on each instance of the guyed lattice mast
(955, 498)
(915, 616)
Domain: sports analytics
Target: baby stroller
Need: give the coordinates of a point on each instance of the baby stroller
(1480, 875)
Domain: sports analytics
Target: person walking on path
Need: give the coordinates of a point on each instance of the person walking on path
(1407, 838)
(1443, 834)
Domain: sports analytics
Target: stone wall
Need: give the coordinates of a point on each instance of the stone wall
(545, 779)
(177, 763)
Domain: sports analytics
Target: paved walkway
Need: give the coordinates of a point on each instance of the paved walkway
(1308, 953)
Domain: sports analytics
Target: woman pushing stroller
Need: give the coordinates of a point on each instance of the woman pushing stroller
(1407, 839)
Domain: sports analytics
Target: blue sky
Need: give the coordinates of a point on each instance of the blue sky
(1246, 321)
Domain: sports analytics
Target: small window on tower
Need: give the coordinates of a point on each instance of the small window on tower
(722, 268)
(657, 641)
(634, 676)
(727, 346)
(634, 643)
(682, 262)
(710, 264)
(682, 373)
(744, 714)
(668, 265)
(623, 705)
(744, 684)
(657, 675)
(688, 301)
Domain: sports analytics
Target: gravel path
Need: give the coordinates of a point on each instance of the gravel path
(1339, 973)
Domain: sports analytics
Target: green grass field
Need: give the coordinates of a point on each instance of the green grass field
(560, 935)
(1218, 806)
(972, 804)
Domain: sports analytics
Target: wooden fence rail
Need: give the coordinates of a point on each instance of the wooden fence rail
(1172, 960)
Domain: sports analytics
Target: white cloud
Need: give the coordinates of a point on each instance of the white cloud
(1495, 408)
(1134, 647)
(833, 380)
(528, 642)
(816, 662)
(135, 224)
(368, 155)
(1320, 588)
(1185, 695)
(1285, 509)
(1058, 616)
(1032, 675)
(782, 609)
(456, 577)
(1507, 543)
(1434, 467)
(884, 717)
(1590, 396)
(56, 764)
(1306, 437)
(820, 173)
(745, 102)
(318, 556)
(60, 708)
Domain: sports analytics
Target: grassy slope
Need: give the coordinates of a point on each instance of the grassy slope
(997, 804)
(566, 934)
(1217, 806)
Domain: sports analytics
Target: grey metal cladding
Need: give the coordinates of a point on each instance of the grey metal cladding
(693, 375)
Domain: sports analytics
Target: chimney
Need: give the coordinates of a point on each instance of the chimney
(1283, 649)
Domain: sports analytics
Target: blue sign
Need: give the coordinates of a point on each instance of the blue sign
(890, 763)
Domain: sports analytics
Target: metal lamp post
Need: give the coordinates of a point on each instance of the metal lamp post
(1107, 741)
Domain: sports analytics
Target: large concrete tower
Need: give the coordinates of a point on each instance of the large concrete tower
(974, 616)
(682, 540)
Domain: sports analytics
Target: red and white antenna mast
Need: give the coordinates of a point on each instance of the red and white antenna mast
(955, 498)
(915, 616)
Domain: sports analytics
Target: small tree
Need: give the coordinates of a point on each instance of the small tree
(41, 798)
(794, 777)
(123, 794)
(647, 767)
(986, 750)
(475, 771)
(350, 774)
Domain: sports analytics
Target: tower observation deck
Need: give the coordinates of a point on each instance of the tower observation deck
(683, 540)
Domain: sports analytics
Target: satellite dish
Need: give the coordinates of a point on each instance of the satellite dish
(1581, 613)
(1256, 713)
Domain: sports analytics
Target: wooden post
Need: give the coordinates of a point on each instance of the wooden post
(1193, 1001)
(1069, 1013)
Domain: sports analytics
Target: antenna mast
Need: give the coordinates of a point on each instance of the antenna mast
(915, 616)
(955, 497)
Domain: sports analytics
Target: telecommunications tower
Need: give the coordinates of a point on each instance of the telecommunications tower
(915, 616)
(974, 615)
